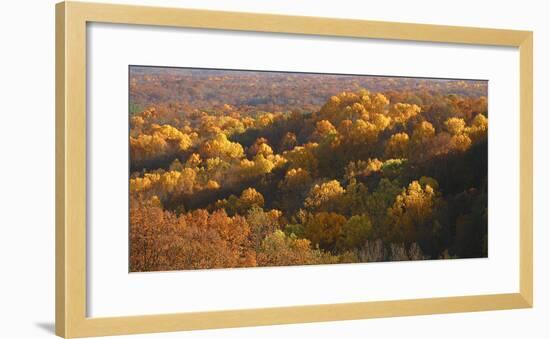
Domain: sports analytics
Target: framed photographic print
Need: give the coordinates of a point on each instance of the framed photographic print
(219, 169)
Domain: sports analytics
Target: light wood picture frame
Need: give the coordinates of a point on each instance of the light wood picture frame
(71, 170)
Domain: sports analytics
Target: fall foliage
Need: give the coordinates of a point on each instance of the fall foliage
(244, 169)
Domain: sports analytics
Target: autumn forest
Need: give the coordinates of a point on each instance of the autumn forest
(250, 168)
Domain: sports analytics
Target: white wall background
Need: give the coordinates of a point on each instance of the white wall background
(27, 168)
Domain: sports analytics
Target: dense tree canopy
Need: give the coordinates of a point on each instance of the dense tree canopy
(310, 169)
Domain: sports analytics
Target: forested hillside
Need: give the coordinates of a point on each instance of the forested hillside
(241, 169)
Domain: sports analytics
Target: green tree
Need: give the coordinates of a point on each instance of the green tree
(355, 232)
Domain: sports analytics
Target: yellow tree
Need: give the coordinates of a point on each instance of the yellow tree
(362, 168)
(221, 147)
(422, 140)
(381, 121)
(423, 132)
(400, 112)
(362, 133)
(303, 157)
(379, 102)
(295, 177)
(264, 120)
(455, 126)
(260, 146)
(398, 145)
(146, 147)
(278, 249)
(193, 161)
(412, 212)
(248, 199)
(326, 195)
(323, 130)
(478, 130)
(460, 142)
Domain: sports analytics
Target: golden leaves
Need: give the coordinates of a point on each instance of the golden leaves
(325, 193)
(455, 126)
(221, 147)
(398, 145)
(401, 112)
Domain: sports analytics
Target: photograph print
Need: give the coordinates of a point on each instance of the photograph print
(246, 168)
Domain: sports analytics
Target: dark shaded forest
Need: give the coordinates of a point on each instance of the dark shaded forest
(243, 169)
